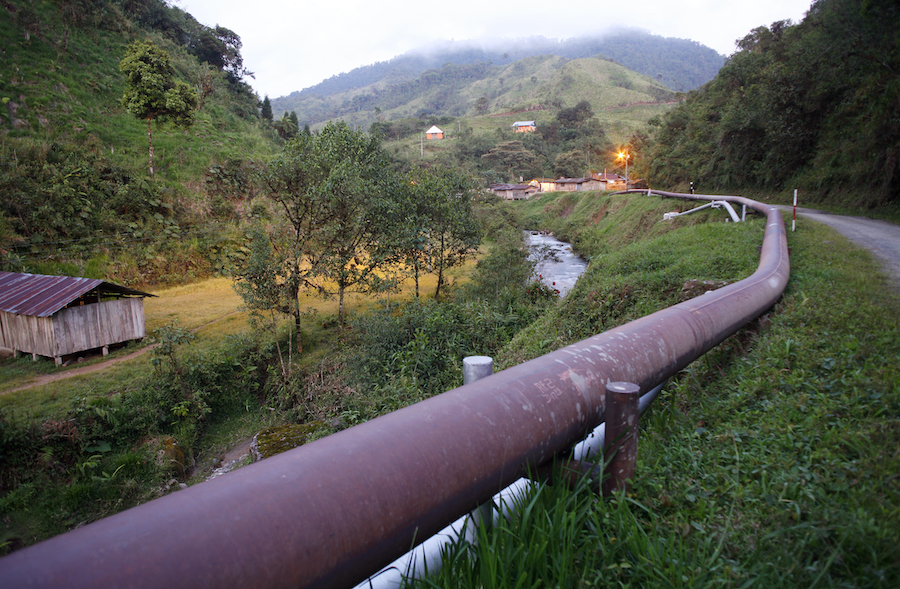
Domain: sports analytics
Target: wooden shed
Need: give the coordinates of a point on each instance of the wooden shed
(514, 191)
(54, 316)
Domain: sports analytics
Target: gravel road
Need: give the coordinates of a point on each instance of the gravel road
(879, 237)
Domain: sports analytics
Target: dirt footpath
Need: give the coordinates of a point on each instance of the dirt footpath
(48, 378)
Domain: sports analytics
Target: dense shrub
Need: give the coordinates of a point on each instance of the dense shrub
(419, 345)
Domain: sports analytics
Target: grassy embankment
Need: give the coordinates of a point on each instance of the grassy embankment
(770, 462)
(784, 436)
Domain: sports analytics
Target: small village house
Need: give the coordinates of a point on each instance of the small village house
(577, 184)
(55, 316)
(544, 184)
(524, 126)
(610, 181)
(434, 133)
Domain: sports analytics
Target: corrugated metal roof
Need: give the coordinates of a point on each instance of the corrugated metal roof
(39, 295)
(511, 186)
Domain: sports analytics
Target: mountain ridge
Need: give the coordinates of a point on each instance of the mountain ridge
(617, 47)
(677, 64)
(540, 84)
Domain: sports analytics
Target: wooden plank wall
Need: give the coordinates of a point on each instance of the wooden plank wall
(25, 333)
(75, 329)
(93, 326)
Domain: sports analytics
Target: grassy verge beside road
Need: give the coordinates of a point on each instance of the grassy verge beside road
(770, 462)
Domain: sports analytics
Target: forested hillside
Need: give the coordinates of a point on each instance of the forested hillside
(440, 80)
(535, 86)
(679, 64)
(76, 192)
(813, 105)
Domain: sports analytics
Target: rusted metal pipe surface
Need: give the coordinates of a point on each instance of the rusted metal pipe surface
(336, 510)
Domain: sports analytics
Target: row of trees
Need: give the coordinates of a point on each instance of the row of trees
(351, 225)
(287, 126)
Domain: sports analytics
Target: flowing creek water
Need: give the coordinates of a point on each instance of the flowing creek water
(560, 269)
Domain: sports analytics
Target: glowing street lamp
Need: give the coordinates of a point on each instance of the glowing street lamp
(623, 156)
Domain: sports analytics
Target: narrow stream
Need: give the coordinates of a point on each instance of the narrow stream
(562, 268)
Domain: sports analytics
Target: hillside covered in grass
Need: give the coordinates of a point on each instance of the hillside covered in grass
(676, 64)
(531, 88)
(75, 186)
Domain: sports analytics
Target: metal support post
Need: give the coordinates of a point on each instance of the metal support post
(476, 367)
(621, 434)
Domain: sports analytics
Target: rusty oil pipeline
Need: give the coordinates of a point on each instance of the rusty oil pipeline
(332, 512)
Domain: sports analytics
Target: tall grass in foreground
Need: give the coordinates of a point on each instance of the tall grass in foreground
(770, 462)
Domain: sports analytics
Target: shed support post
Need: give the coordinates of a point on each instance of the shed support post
(106, 350)
(621, 435)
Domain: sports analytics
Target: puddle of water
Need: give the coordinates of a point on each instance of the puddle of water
(564, 267)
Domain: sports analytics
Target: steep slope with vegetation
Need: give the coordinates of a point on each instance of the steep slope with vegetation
(812, 105)
(76, 195)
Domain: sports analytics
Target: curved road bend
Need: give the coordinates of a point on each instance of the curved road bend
(879, 237)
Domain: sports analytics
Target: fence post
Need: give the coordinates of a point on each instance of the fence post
(475, 368)
(621, 435)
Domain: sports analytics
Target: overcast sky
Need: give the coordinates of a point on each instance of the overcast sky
(293, 45)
